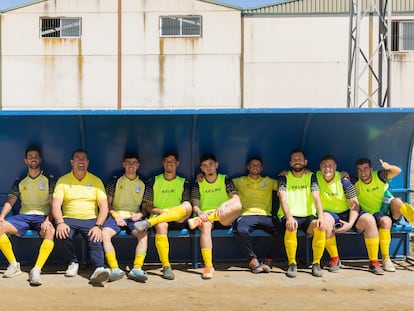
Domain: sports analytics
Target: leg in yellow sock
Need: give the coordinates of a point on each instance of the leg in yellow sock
(372, 245)
(291, 245)
(384, 242)
(45, 249)
(6, 248)
(139, 260)
(408, 212)
(212, 217)
(163, 248)
(207, 254)
(331, 247)
(173, 214)
(318, 245)
(111, 260)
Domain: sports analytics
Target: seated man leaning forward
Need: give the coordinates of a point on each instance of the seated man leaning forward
(342, 213)
(124, 199)
(166, 198)
(214, 199)
(256, 194)
(80, 205)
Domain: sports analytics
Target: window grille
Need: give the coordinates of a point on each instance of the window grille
(180, 26)
(60, 27)
(403, 36)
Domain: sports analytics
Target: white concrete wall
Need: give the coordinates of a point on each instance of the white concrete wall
(156, 72)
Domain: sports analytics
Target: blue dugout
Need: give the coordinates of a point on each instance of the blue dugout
(232, 135)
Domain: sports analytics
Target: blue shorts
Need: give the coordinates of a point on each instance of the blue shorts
(378, 216)
(111, 223)
(24, 222)
(344, 217)
(303, 222)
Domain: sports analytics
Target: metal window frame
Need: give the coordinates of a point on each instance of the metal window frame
(61, 36)
(180, 18)
(401, 39)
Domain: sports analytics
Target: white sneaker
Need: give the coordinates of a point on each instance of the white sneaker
(34, 277)
(72, 269)
(100, 275)
(387, 265)
(12, 270)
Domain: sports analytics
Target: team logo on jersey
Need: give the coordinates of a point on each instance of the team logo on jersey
(263, 184)
(89, 186)
(138, 189)
(42, 186)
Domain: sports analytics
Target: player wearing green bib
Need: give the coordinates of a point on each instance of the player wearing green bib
(370, 187)
(342, 213)
(167, 199)
(214, 198)
(299, 205)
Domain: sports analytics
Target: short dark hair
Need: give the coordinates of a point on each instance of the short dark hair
(80, 150)
(208, 156)
(298, 150)
(32, 148)
(362, 161)
(171, 153)
(131, 155)
(328, 157)
(255, 158)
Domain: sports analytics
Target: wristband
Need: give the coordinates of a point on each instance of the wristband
(99, 226)
(59, 223)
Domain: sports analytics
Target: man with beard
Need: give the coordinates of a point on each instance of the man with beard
(214, 199)
(80, 205)
(34, 191)
(371, 187)
(256, 194)
(301, 208)
(166, 198)
(342, 213)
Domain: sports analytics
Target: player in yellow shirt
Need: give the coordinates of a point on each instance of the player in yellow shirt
(371, 187)
(214, 199)
(300, 204)
(256, 193)
(124, 199)
(34, 191)
(80, 205)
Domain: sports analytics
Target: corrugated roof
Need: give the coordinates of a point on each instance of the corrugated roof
(245, 4)
(9, 5)
(325, 7)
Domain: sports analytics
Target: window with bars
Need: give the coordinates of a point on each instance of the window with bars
(58, 27)
(403, 36)
(180, 26)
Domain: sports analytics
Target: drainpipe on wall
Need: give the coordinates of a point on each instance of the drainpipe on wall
(119, 88)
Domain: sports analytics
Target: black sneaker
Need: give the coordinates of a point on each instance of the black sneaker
(375, 268)
(266, 267)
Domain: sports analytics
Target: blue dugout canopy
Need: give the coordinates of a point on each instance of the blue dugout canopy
(233, 135)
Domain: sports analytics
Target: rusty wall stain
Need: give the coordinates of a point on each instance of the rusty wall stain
(161, 63)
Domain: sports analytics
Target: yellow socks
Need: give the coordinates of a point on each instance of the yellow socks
(384, 242)
(173, 214)
(318, 244)
(139, 260)
(6, 248)
(331, 247)
(408, 212)
(163, 249)
(372, 245)
(291, 244)
(213, 217)
(111, 260)
(45, 249)
(207, 254)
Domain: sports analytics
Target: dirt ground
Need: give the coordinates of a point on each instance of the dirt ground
(232, 288)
